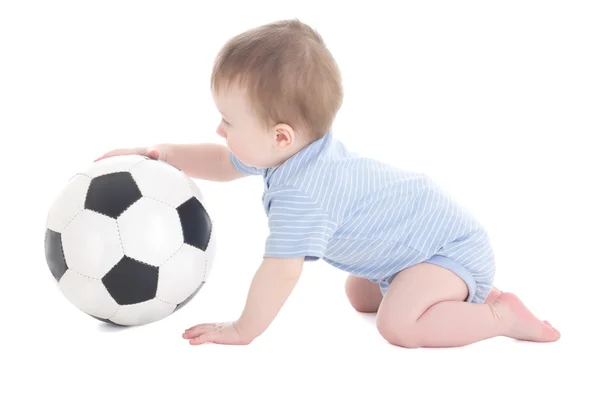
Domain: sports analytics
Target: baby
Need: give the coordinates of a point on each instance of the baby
(412, 254)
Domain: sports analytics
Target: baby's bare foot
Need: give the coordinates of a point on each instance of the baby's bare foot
(493, 295)
(520, 323)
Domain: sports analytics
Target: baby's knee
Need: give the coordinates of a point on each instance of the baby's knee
(398, 332)
(364, 295)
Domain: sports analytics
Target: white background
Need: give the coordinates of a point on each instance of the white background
(499, 102)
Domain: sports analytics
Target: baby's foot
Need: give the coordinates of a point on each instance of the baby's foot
(493, 295)
(520, 323)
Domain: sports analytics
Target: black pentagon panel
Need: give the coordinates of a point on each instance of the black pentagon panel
(190, 297)
(111, 194)
(55, 257)
(195, 222)
(131, 281)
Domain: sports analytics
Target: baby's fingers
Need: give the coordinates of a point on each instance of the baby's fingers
(207, 337)
(198, 330)
(142, 151)
(153, 153)
(117, 152)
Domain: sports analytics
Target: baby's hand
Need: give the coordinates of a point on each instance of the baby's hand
(152, 152)
(272, 284)
(220, 333)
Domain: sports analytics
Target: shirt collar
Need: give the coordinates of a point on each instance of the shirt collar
(292, 166)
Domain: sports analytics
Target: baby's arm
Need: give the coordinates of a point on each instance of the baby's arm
(298, 230)
(206, 161)
(270, 288)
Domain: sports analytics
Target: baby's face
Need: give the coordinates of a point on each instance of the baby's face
(253, 142)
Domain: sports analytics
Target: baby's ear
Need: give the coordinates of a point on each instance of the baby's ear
(285, 136)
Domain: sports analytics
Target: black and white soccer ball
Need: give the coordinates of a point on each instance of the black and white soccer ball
(130, 240)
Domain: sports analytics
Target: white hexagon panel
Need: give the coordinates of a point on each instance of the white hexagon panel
(91, 244)
(195, 189)
(162, 182)
(182, 274)
(69, 202)
(150, 231)
(87, 294)
(142, 313)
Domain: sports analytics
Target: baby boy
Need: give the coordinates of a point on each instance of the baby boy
(412, 254)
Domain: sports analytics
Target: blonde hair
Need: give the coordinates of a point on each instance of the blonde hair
(288, 73)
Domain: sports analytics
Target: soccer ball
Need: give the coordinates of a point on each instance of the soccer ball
(129, 241)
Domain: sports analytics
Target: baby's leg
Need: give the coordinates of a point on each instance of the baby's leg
(364, 295)
(425, 306)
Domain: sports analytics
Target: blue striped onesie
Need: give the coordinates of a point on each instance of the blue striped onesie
(369, 219)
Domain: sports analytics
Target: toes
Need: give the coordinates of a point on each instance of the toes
(549, 333)
(550, 325)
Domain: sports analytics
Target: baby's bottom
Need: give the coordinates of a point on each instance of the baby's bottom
(425, 306)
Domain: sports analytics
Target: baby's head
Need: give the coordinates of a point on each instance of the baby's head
(278, 88)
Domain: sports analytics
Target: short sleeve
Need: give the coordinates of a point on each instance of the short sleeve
(246, 169)
(297, 226)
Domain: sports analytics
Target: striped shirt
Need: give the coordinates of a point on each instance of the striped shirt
(357, 214)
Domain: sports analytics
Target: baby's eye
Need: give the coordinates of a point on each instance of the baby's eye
(225, 122)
